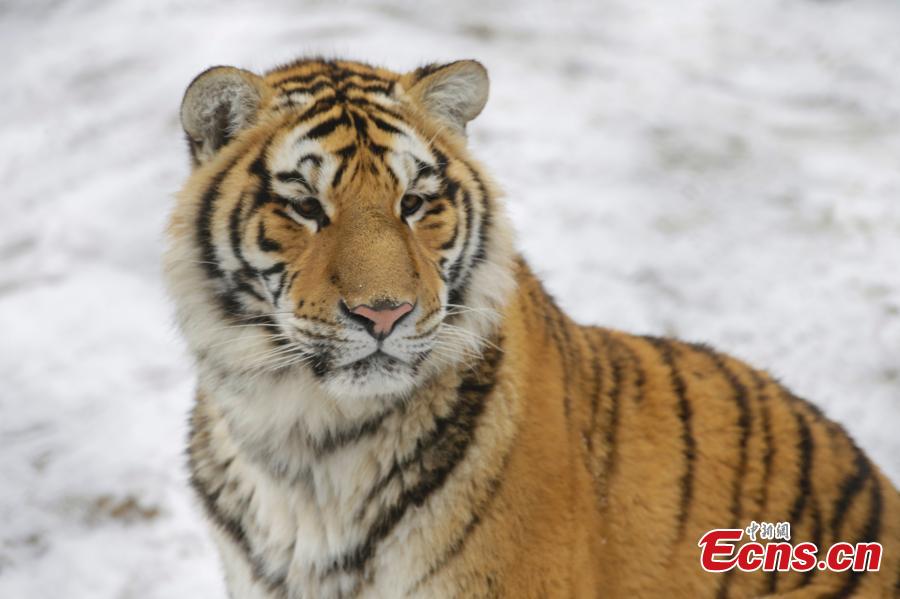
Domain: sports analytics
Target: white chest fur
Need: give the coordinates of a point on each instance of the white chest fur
(296, 534)
(364, 510)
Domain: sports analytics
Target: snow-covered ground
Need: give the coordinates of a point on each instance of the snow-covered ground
(721, 171)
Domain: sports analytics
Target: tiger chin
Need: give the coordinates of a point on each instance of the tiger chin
(390, 405)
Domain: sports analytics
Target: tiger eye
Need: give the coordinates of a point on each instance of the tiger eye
(310, 208)
(409, 205)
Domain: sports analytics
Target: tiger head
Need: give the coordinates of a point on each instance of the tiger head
(335, 228)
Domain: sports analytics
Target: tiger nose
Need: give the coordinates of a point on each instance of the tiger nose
(381, 317)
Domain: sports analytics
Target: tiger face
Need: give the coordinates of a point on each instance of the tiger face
(335, 225)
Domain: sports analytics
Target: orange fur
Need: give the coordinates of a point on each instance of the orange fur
(595, 459)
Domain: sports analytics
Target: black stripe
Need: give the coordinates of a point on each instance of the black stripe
(335, 440)
(612, 427)
(377, 149)
(338, 174)
(204, 223)
(374, 108)
(327, 126)
(449, 444)
(359, 123)
(383, 87)
(295, 177)
(478, 513)
(804, 476)
(242, 286)
(804, 486)
(849, 489)
(319, 108)
(290, 283)
(452, 240)
(266, 244)
(235, 234)
(312, 89)
(815, 538)
(451, 192)
(869, 534)
(320, 67)
(437, 209)
(423, 169)
(442, 161)
(428, 69)
(479, 254)
(484, 225)
(199, 451)
(667, 351)
(423, 445)
(347, 151)
(346, 154)
(739, 392)
(385, 126)
(235, 531)
(227, 299)
(263, 193)
(307, 78)
(286, 216)
(343, 72)
(456, 265)
(275, 269)
(560, 332)
(597, 388)
(282, 279)
(640, 377)
(315, 159)
(768, 440)
(236, 224)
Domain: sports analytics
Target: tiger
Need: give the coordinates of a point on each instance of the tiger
(390, 404)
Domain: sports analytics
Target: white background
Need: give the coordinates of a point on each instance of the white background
(721, 171)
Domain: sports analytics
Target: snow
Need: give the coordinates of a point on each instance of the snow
(724, 172)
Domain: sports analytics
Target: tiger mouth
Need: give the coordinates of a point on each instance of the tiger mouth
(377, 360)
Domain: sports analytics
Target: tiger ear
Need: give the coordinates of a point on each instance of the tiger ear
(454, 93)
(219, 103)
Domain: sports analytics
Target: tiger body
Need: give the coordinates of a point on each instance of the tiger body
(487, 446)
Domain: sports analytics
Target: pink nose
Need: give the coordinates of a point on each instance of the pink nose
(383, 319)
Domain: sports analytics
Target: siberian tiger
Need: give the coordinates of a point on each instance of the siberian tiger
(390, 405)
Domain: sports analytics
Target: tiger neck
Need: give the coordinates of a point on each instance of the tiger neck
(363, 480)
